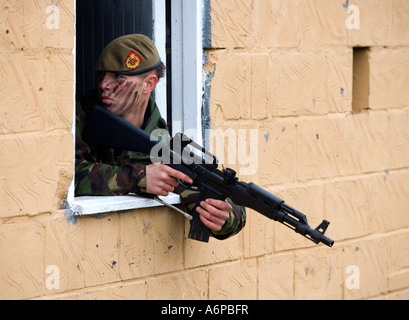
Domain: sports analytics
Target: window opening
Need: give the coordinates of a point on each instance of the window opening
(360, 83)
(169, 64)
(175, 28)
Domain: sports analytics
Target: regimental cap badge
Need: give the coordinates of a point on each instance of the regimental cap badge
(133, 60)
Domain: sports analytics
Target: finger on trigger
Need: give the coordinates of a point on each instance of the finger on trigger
(180, 175)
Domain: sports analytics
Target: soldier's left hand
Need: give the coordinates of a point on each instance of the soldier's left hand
(214, 213)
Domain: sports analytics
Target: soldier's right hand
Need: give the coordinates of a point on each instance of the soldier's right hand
(162, 179)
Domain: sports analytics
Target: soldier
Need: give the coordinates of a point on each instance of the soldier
(129, 69)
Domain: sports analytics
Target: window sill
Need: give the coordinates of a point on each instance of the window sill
(89, 205)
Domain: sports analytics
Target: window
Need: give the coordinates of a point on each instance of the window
(361, 79)
(175, 27)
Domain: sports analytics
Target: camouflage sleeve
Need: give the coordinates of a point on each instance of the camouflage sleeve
(95, 178)
(233, 225)
(92, 177)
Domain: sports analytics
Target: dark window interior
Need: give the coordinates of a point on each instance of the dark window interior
(99, 22)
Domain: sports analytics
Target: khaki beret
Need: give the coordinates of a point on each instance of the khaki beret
(132, 54)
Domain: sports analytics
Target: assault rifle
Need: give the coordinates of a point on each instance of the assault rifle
(181, 153)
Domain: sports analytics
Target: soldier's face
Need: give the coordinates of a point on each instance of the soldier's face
(118, 93)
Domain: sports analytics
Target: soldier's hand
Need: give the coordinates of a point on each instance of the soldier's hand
(162, 179)
(214, 213)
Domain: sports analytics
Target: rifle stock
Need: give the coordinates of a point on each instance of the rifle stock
(108, 130)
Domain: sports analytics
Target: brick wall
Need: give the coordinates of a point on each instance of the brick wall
(286, 68)
(283, 68)
(36, 112)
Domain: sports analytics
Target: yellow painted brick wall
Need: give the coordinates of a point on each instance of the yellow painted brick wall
(282, 67)
(286, 69)
(36, 163)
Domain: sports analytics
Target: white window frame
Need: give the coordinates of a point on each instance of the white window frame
(187, 64)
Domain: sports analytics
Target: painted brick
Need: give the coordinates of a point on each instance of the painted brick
(277, 152)
(86, 251)
(117, 291)
(232, 23)
(122, 291)
(389, 78)
(358, 207)
(349, 208)
(309, 200)
(310, 82)
(259, 86)
(100, 250)
(189, 285)
(400, 19)
(149, 242)
(38, 89)
(277, 277)
(366, 143)
(62, 37)
(22, 80)
(240, 88)
(64, 241)
(318, 274)
(385, 193)
(293, 96)
(334, 146)
(339, 81)
(26, 25)
(398, 280)
(114, 247)
(22, 270)
(321, 148)
(322, 23)
(215, 251)
(231, 92)
(375, 23)
(398, 139)
(398, 252)
(397, 295)
(369, 260)
(258, 234)
(277, 23)
(24, 30)
(36, 172)
(57, 110)
(234, 281)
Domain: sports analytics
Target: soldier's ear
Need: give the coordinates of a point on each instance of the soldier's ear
(150, 83)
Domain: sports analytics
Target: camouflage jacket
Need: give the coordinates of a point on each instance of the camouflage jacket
(107, 171)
